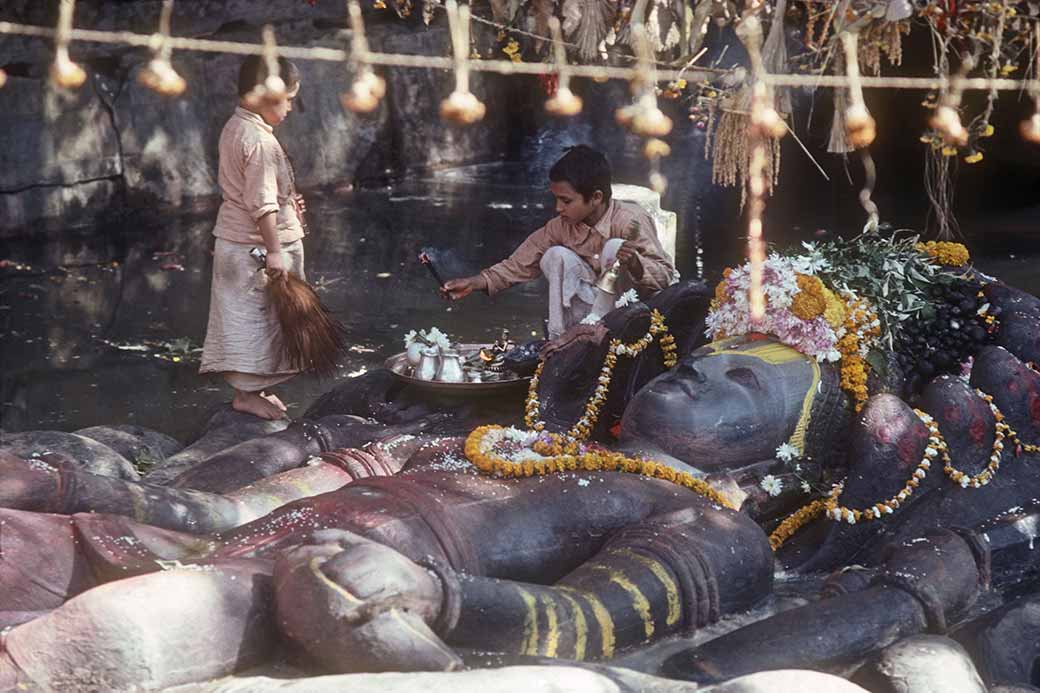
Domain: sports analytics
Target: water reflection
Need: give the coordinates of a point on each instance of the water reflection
(103, 328)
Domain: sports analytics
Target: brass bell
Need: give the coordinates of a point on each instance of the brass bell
(608, 282)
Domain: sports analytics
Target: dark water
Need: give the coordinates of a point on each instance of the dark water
(103, 328)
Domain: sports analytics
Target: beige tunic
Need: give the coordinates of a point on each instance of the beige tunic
(255, 179)
(243, 334)
(587, 242)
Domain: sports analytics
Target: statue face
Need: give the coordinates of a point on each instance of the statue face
(729, 403)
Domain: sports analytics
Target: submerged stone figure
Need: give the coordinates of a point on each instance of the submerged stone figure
(507, 568)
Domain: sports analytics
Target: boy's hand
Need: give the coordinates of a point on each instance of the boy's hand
(628, 256)
(276, 267)
(463, 286)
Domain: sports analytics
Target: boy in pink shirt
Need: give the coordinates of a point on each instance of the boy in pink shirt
(260, 208)
(575, 248)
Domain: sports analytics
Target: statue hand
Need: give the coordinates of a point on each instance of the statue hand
(363, 598)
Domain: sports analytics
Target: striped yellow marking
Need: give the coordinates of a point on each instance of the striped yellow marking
(315, 568)
(640, 603)
(530, 642)
(552, 626)
(581, 628)
(797, 438)
(662, 575)
(603, 620)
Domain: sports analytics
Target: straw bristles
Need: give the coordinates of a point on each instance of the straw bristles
(312, 338)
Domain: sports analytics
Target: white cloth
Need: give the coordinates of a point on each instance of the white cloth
(243, 334)
(572, 284)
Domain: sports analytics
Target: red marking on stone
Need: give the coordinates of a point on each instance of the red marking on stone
(909, 449)
(756, 336)
(977, 430)
(1034, 406)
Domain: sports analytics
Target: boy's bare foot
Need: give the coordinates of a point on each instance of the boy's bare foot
(253, 403)
(273, 399)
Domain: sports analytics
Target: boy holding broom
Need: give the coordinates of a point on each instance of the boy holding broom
(260, 208)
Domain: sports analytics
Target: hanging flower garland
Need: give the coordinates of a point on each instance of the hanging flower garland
(509, 452)
(583, 427)
(483, 449)
(794, 522)
(986, 475)
(937, 447)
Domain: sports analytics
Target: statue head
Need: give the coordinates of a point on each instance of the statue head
(733, 402)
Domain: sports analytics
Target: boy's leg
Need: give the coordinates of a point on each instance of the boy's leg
(250, 397)
(571, 288)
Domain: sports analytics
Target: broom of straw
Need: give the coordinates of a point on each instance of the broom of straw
(311, 338)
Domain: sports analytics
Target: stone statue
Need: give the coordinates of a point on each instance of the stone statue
(358, 571)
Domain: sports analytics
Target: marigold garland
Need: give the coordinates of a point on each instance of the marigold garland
(986, 475)
(945, 252)
(794, 522)
(936, 448)
(860, 324)
(480, 451)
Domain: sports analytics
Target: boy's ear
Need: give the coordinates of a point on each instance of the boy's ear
(597, 196)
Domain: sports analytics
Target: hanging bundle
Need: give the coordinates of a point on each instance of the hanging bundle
(774, 56)
(838, 142)
(732, 162)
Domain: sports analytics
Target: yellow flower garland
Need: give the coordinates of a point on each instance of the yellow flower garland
(986, 475)
(482, 455)
(583, 427)
(860, 324)
(936, 448)
(794, 522)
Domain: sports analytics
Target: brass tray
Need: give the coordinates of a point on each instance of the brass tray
(399, 366)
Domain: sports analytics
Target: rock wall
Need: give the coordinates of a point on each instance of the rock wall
(69, 158)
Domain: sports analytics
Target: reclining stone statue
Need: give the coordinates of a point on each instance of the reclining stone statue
(365, 572)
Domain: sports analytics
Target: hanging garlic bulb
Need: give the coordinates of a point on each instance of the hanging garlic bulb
(1030, 128)
(651, 122)
(655, 149)
(564, 102)
(461, 106)
(66, 73)
(365, 93)
(367, 88)
(860, 128)
(159, 76)
(947, 123)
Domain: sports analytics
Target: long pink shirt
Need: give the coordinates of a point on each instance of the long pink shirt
(255, 179)
(588, 241)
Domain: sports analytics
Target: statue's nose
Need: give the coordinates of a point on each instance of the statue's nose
(690, 371)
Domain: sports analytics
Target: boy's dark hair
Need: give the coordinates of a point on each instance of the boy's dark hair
(254, 72)
(586, 169)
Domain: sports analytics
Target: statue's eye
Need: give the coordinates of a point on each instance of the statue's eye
(743, 377)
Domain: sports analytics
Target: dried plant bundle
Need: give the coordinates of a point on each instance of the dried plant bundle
(312, 339)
